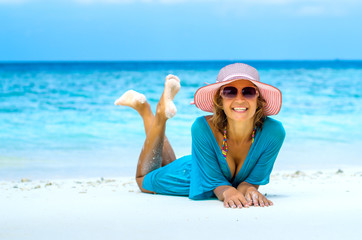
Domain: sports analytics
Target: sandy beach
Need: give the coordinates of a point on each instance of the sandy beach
(323, 204)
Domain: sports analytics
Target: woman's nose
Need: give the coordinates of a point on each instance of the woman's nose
(240, 96)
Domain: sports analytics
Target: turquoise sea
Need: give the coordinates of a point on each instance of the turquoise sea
(57, 119)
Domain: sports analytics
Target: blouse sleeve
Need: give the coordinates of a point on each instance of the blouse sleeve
(274, 138)
(206, 174)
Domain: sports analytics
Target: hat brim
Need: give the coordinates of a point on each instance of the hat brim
(204, 96)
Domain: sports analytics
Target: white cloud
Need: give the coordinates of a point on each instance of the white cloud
(292, 7)
(13, 1)
(103, 1)
(133, 1)
(235, 7)
(311, 10)
(248, 2)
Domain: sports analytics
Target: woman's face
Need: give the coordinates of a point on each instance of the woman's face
(240, 108)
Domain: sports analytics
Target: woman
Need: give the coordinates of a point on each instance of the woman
(233, 150)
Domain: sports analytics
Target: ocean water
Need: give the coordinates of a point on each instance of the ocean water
(57, 119)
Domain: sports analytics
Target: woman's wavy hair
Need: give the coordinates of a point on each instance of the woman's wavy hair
(219, 118)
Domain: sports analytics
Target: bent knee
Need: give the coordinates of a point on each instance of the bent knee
(139, 181)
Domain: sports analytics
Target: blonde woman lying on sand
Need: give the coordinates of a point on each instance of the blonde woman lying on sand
(233, 150)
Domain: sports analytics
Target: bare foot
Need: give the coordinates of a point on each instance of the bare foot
(172, 86)
(131, 98)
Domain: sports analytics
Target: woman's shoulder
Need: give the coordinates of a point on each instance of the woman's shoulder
(202, 125)
(273, 127)
(271, 122)
(201, 121)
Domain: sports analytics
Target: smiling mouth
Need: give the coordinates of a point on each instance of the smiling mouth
(240, 109)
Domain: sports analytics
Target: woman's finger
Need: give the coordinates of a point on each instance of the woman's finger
(270, 202)
(248, 199)
(254, 196)
(231, 204)
(238, 203)
(226, 204)
(244, 201)
(261, 200)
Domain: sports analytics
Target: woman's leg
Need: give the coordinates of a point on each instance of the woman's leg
(138, 102)
(156, 144)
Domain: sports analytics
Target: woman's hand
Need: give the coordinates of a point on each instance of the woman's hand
(234, 198)
(254, 197)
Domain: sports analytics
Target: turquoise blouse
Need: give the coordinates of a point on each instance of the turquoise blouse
(198, 174)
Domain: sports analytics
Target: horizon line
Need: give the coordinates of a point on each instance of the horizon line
(200, 60)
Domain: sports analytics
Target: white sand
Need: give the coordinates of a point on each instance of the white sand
(308, 205)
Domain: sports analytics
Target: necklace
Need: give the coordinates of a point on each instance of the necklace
(224, 149)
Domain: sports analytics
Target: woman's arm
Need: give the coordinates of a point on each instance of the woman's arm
(206, 174)
(273, 135)
(252, 195)
(272, 138)
(231, 196)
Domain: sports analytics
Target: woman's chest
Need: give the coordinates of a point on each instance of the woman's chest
(236, 152)
(236, 156)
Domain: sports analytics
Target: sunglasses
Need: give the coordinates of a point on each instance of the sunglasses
(232, 92)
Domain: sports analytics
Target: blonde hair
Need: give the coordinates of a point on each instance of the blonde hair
(219, 118)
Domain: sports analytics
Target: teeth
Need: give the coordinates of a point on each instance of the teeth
(240, 109)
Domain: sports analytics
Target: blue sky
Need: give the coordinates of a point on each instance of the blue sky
(180, 30)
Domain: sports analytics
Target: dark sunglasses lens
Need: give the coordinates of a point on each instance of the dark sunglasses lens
(249, 92)
(229, 92)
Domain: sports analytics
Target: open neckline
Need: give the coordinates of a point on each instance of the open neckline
(224, 159)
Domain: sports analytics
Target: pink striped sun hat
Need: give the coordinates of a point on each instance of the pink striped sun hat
(204, 96)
